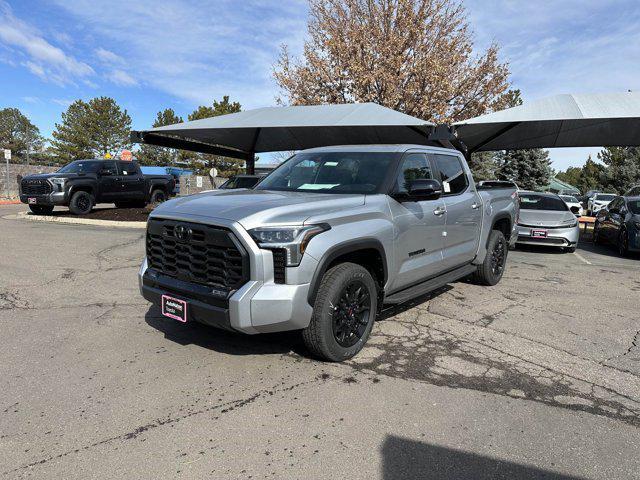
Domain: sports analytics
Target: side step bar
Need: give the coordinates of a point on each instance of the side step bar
(429, 285)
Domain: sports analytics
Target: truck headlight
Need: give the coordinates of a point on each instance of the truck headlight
(293, 239)
(58, 182)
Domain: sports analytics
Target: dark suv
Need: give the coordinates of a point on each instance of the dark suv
(83, 183)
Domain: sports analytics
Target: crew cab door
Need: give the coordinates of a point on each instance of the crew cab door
(132, 185)
(108, 183)
(419, 226)
(464, 211)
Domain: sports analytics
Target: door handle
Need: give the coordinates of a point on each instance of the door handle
(439, 211)
(475, 206)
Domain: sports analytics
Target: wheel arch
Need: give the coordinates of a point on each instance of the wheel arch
(367, 252)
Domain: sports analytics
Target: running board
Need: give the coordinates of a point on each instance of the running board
(429, 285)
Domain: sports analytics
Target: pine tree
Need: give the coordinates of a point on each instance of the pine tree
(17, 133)
(91, 130)
(622, 168)
(201, 161)
(591, 176)
(152, 155)
(530, 169)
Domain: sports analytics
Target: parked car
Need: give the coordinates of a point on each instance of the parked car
(598, 201)
(324, 241)
(241, 181)
(83, 183)
(574, 204)
(545, 219)
(619, 224)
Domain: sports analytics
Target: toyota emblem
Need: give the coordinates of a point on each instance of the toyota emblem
(183, 233)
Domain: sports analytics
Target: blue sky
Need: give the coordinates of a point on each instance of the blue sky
(153, 54)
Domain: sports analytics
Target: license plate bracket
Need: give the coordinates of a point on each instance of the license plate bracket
(174, 308)
(539, 233)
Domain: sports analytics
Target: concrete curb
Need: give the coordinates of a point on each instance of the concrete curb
(76, 220)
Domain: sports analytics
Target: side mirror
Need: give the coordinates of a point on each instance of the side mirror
(424, 189)
(105, 173)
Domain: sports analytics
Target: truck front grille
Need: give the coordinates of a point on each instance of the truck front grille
(35, 187)
(192, 252)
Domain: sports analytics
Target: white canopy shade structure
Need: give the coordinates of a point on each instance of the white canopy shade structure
(589, 120)
(242, 134)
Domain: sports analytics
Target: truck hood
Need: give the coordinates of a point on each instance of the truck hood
(253, 208)
(545, 218)
(44, 176)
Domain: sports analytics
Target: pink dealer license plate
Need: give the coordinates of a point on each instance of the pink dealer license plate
(174, 308)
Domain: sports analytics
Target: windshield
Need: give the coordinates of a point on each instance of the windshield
(569, 198)
(82, 166)
(330, 172)
(541, 202)
(634, 206)
(607, 197)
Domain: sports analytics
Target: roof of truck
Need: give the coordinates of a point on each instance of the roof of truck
(400, 147)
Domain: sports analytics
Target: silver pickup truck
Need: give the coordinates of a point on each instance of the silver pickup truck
(327, 239)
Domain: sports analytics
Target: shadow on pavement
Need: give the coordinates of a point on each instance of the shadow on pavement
(223, 341)
(408, 459)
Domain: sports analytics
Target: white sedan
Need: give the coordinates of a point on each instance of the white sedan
(574, 205)
(599, 201)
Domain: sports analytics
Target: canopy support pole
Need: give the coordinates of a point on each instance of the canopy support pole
(251, 164)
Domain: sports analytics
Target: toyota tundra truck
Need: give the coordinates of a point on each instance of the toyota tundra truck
(325, 241)
(81, 184)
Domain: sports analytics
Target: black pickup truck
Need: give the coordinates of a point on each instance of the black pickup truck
(83, 183)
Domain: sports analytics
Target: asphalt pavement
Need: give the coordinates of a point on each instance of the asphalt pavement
(537, 377)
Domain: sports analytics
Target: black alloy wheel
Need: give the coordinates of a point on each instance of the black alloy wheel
(498, 256)
(351, 314)
(84, 203)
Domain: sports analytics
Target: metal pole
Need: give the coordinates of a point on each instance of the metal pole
(7, 179)
(27, 138)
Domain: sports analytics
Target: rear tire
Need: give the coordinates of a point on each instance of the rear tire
(569, 249)
(81, 203)
(41, 209)
(343, 313)
(158, 196)
(491, 270)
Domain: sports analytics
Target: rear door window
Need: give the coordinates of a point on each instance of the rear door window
(128, 168)
(452, 175)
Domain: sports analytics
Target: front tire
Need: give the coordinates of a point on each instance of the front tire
(623, 243)
(41, 209)
(343, 313)
(597, 239)
(81, 203)
(158, 196)
(491, 270)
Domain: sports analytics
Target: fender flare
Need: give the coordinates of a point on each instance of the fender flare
(497, 218)
(85, 187)
(339, 250)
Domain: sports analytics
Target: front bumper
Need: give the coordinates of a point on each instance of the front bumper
(47, 199)
(259, 306)
(556, 237)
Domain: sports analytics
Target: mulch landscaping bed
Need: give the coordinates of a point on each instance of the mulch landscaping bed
(117, 214)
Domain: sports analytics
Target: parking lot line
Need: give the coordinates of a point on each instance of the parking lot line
(582, 258)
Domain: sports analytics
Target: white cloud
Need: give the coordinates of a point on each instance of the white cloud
(107, 56)
(122, 78)
(30, 99)
(194, 50)
(63, 102)
(44, 59)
